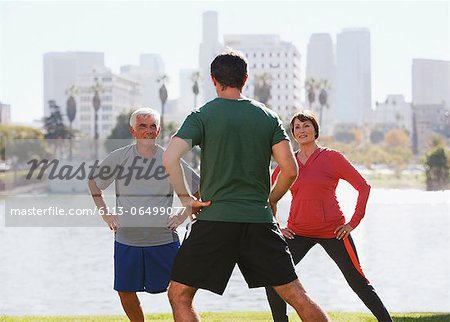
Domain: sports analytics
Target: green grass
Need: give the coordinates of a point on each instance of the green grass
(391, 181)
(235, 316)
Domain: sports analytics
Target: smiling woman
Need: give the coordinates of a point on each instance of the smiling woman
(316, 218)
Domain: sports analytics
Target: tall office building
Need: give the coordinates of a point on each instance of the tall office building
(320, 57)
(118, 94)
(60, 73)
(150, 69)
(279, 61)
(209, 48)
(320, 66)
(353, 91)
(5, 113)
(431, 82)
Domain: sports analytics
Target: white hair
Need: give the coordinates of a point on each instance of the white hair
(145, 111)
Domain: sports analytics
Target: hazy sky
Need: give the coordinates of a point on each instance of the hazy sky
(400, 31)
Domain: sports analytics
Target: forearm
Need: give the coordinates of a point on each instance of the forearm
(176, 177)
(283, 183)
(99, 201)
(360, 209)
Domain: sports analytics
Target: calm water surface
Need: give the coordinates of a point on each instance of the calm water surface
(403, 245)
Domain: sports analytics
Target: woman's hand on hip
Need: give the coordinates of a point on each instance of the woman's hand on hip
(288, 233)
(343, 231)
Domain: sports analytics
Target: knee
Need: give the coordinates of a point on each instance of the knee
(172, 295)
(293, 292)
(179, 294)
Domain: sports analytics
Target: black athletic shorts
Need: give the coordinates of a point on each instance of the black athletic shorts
(211, 250)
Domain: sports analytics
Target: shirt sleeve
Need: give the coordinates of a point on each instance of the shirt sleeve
(106, 172)
(193, 179)
(279, 133)
(348, 173)
(191, 130)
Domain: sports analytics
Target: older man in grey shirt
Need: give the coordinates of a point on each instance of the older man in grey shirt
(143, 218)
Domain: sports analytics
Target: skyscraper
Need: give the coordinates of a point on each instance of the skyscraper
(320, 66)
(431, 82)
(150, 69)
(320, 57)
(118, 94)
(209, 48)
(353, 95)
(276, 61)
(61, 70)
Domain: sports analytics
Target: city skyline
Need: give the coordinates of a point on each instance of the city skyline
(122, 31)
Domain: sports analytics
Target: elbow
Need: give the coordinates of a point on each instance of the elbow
(168, 161)
(292, 172)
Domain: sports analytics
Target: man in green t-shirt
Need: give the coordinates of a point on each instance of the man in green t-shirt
(237, 223)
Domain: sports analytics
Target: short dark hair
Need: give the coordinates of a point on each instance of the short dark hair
(303, 116)
(230, 69)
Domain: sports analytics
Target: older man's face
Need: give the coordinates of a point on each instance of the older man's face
(145, 128)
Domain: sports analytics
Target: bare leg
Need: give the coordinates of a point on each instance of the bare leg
(180, 298)
(132, 306)
(295, 295)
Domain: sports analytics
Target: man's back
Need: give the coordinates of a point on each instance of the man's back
(236, 138)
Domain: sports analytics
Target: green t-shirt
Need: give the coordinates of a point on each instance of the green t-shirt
(236, 139)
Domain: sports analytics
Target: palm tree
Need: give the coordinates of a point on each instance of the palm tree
(163, 79)
(96, 103)
(195, 77)
(71, 111)
(263, 87)
(310, 86)
(324, 86)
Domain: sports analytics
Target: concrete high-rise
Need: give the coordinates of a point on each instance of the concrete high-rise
(353, 85)
(118, 94)
(320, 66)
(320, 57)
(276, 60)
(431, 82)
(150, 69)
(60, 73)
(209, 48)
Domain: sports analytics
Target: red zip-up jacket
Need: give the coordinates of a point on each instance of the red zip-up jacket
(315, 211)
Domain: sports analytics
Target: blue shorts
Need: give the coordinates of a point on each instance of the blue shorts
(143, 269)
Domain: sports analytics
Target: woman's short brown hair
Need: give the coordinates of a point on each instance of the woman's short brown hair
(303, 116)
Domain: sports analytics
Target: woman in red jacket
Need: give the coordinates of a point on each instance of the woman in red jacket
(316, 218)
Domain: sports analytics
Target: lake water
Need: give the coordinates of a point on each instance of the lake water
(403, 245)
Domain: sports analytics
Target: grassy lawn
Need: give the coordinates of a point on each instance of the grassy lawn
(237, 316)
(391, 181)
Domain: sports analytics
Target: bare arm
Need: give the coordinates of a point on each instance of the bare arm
(283, 154)
(171, 160)
(100, 203)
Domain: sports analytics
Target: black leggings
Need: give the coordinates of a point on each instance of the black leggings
(343, 252)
